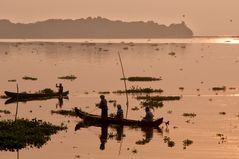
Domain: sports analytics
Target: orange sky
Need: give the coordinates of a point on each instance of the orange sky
(204, 17)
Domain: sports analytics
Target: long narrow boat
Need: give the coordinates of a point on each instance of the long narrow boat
(34, 95)
(96, 118)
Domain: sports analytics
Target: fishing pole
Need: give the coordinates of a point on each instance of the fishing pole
(125, 85)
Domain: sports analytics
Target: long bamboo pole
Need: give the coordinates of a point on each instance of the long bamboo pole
(125, 85)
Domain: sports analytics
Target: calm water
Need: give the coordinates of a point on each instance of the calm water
(198, 65)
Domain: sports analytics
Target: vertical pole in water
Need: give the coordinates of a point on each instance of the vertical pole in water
(17, 103)
(126, 93)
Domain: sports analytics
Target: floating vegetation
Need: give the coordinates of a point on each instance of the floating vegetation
(222, 113)
(19, 134)
(152, 103)
(172, 53)
(46, 91)
(13, 80)
(232, 88)
(187, 143)
(139, 90)
(169, 141)
(4, 97)
(134, 151)
(64, 112)
(222, 139)
(159, 98)
(134, 79)
(223, 88)
(5, 111)
(125, 48)
(135, 108)
(169, 111)
(191, 115)
(181, 88)
(104, 92)
(69, 77)
(29, 78)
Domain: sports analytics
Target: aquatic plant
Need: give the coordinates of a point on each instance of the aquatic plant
(13, 80)
(223, 88)
(222, 113)
(139, 90)
(5, 111)
(191, 115)
(68, 77)
(4, 97)
(29, 78)
(46, 91)
(159, 98)
(152, 103)
(169, 141)
(19, 134)
(64, 112)
(135, 108)
(136, 78)
(172, 53)
(104, 92)
(187, 143)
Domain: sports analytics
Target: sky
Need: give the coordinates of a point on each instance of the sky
(204, 17)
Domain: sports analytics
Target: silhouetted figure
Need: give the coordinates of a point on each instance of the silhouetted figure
(120, 112)
(60, 88)
(149, 115)
(120, 131)
(103, 136)
(60, 102)
(103, 106)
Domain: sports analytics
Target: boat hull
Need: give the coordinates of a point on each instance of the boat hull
(97, 119)
(34, 95)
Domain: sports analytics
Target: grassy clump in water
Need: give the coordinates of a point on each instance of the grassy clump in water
(46, 91)
(152, 103)
(186, 143)
(191, 115)
(19, 134)
(13, 80)
(64, 112)
(134, 79)
(159, 98)
(168, 140)
(104, 92)
(4, 97)
(139, 90)
(69, 77)
(29, 78)
(5, 111)
(223, 88)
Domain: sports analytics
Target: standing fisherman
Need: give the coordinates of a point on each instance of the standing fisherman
(60, 88)
(104, 108)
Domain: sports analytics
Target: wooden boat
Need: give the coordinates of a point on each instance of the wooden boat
(34, 95)
(25, 100)
(97, 119)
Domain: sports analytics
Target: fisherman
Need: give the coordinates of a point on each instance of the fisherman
(120, 113)
(60, 88)
(103, 106)
(149, 115)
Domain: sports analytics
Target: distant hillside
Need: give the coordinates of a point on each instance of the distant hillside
(92, 28)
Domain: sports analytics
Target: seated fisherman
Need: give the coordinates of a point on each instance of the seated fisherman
(149, 115)
(120, 113)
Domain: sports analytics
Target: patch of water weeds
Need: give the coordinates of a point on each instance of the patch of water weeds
(159, 98)
(191, 115)
(22, 133)
(64, 112)
(68, 77)
(29, 78)
(186, 143)
(137, 89)
(5, 111)
(223, 88)
(141, 79)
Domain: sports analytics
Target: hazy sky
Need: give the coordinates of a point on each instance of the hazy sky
(204, 17)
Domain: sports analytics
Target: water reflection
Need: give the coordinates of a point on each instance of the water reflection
(60, 102)
(119, 129)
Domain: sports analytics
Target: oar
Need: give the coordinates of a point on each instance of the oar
(125, 85)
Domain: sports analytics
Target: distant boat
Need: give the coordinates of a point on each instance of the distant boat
(34, 95)
(97, 119)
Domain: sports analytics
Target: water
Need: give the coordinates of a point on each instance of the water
(199, 65)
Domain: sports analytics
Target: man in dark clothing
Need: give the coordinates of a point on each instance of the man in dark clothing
(60, 88)
(149, 115)
(103, 106)
(120, 113)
